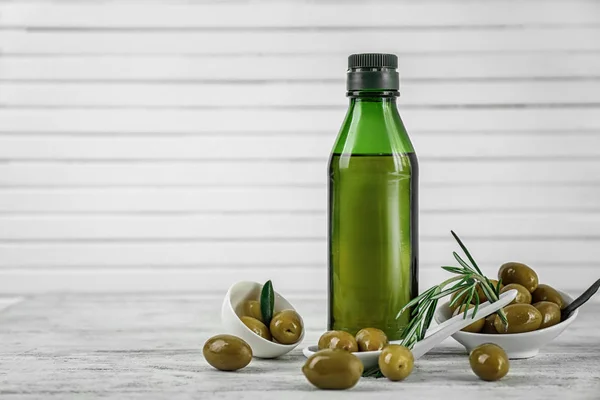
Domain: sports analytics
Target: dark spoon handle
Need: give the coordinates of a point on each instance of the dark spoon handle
(585, 296)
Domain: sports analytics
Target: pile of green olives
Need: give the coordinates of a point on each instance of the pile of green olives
(335, 367)
(285, 327)
(537, 306)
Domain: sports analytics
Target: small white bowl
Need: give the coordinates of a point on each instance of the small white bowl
(516, 345)
(232, 309)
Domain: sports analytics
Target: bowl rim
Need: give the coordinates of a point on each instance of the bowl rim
(561, 324)
(248, 330)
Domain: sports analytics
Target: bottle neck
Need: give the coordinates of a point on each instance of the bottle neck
(374, 106)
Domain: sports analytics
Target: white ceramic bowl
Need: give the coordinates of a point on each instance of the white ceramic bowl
(516, 345)
(232, 309)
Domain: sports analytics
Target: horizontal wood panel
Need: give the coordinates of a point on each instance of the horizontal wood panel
(310, 147)
(288, 94)
(343, 41)
(301, 226)
(220, 120)
(295, 67)
(270, 199)
(501, 172)
(161, 253)
(217, 280)
(187, 15)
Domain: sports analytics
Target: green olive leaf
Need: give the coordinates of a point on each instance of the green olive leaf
(267, 302)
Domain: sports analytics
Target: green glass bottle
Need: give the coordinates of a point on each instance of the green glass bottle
(373, 209)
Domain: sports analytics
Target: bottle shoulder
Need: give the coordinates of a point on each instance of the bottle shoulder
(373, 131)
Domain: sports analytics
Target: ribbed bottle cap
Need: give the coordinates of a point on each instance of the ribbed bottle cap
(372, 72)
(373, 60)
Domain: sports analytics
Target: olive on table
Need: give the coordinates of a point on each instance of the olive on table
(514, 272)
(227, 352)
(521, 318)
(489, 362)
(257, 327)
(338, 340)
(523, 295)
(548, 293)
(286, 327)
(550, 313)
(333, 369)
(371, 339)
(252, 309)
(396, 362)
(488, 325)
(476, 326)
(482, 296)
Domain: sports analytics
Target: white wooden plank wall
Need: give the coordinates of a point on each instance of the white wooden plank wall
(178, 146)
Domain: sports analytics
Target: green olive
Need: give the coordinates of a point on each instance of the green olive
(514, 272)
(548, 293)
(396, 362)
(252, 309)
(227, 352)
(482, 297)
(257, 327)
(333, 369)
(371, 339)
(550, 313)
(476, 326)
(488, 326)
(523, 295)
(286, 327)
(338, 340)
(489, 362)
(521, 318)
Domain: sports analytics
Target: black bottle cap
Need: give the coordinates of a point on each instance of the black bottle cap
(373, 72)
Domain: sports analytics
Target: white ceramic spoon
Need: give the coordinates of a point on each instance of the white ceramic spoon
(436, 334)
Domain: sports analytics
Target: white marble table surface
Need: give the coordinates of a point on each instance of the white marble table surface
(149, 346)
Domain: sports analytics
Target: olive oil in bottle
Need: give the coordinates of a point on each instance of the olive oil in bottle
(373, 210)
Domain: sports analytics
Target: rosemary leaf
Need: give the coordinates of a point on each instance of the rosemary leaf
(491, 285)
(476, 304)
(453, 270)
(462, 281)
(416, 300)
(422, 311)
(411, 333)
(429, 317)
(464, 249)
(409, 305)
(445, 293)
(462, 262)
(498, 287)
(468, 301)
(488, 290)
(458, 296)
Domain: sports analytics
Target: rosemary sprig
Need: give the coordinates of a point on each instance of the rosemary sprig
(465, 284)
(468, 278)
